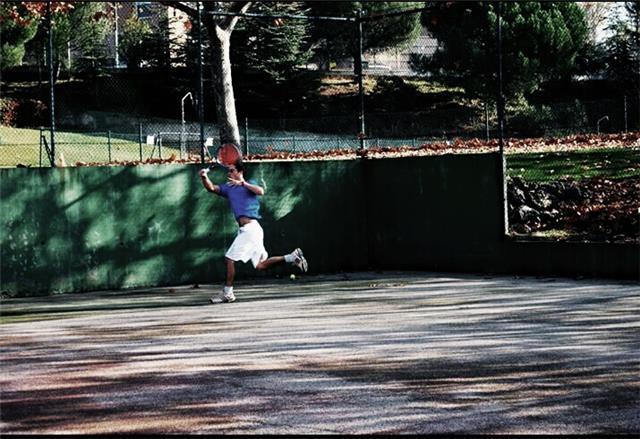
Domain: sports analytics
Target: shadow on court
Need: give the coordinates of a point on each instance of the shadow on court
(352, 353)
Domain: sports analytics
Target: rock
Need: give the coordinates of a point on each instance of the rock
(528, 214)
(516, 196)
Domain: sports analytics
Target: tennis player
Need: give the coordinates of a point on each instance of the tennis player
(243, 197)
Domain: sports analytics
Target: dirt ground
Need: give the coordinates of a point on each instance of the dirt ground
(591, 210)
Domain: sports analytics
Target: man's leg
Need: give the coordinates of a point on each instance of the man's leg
(231, 272)
(273, 260)
(227, 292)
(295, 257)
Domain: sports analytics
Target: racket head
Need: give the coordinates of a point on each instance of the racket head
(228, 154)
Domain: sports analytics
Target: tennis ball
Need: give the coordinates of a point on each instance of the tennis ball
(292, 277)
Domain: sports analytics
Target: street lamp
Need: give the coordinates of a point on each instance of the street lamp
(182, 133)
(600, 120)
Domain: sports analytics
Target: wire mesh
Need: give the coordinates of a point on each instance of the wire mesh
(126, 89)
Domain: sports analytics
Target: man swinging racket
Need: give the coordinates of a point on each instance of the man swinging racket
(249, 243)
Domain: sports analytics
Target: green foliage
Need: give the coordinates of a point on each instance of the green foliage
(133, 41)
(590, 60)
(22, 112)
(621, 51)
(82, 29)
(335, 40)
(14, 35)
(529, 120)
(572, 116)
(540, 41)
(8, 111)
(272, 47)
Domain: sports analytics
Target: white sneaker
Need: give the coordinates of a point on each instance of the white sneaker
(223, 297)
(299, 260)
(227, 298)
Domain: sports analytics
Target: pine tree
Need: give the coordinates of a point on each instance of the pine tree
(540, 41)
(272, 47)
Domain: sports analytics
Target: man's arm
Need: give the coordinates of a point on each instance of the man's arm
(258, 190)
(214, 188)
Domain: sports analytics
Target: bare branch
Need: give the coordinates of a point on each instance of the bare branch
(182, 6)
(239, 7)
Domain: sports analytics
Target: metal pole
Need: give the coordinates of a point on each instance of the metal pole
(358, 72)
(486, 119)
(500, 96)
(41, 135)
(626, 125)
(140, 138)
(200, 86)
(109, 144)
(52, 98)
(246, 135)
(500, 102)
(182, 127)
(116, 41)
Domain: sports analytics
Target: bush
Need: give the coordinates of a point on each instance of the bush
(32, 113)
(571, 116)
(8, 112)
(23, 113)
(526, 120)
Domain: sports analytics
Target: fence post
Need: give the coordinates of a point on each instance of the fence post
(626, 126)
(246, 136)
(52, 97)
(500, 102)
(109, 144)
(40, 140)
(358, 72)
(200, 86)
(140, 138)
(486, 119)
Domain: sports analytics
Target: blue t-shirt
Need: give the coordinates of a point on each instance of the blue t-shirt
(243, 202)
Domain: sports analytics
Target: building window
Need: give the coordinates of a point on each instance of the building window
(144, 9)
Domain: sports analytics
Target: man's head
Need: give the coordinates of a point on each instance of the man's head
(236, 169)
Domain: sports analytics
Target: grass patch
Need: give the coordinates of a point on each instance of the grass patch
(613, 163)
(22, 146)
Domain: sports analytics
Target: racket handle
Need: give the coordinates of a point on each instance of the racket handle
(213, 164)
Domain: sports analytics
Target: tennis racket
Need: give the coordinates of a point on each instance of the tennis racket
(226, 155)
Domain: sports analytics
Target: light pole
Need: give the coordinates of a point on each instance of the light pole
(115, 14)
(600, 120)
(182, 133)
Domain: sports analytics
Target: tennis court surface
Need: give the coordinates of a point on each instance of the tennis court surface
(347, 353)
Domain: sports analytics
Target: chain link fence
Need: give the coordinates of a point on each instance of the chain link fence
(126, 88)
(131, 94)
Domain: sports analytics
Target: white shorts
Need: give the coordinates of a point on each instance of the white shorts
(249, 244)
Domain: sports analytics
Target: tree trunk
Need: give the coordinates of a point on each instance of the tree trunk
(223, 85)
(219, 31)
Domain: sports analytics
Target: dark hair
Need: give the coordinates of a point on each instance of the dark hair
(239, 165)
